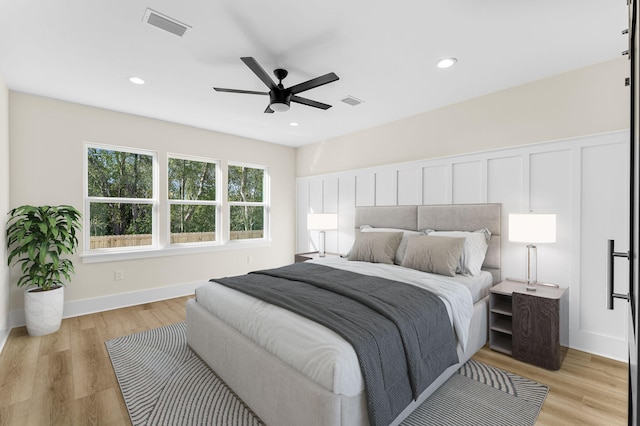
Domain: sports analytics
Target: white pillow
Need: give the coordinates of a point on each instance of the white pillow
(402, 248)
(474, 251)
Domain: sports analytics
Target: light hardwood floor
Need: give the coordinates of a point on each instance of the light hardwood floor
(586, 390)
(66, 378)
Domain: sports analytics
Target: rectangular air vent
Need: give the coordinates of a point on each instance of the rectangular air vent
(164, 22)
(352, 101)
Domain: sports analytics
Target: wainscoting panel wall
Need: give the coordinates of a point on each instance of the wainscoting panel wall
(366, 189)
(436, 184)
(467, 182)
(602, 189)
(582, 180)
(386, 188)
(408, 186)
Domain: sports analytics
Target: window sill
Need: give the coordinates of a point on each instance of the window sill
(112, 256)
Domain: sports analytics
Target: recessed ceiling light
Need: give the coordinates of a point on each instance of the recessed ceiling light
(136, 80)
(446, 62)
(293, 124)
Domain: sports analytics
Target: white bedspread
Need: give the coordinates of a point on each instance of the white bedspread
(314, 350)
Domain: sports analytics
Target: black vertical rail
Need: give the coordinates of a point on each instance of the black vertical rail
(632, 154)
(633, 402)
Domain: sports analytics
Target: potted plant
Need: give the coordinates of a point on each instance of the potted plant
(37, 237)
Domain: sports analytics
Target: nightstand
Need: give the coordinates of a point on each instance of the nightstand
(526, 324)
(303, 257)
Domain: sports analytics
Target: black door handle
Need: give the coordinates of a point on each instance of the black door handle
(610, 275)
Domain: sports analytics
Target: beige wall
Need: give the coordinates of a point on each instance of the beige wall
(46, 140)
(4, 206)
(582, 102)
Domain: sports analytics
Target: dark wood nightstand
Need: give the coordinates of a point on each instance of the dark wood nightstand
(303, 257)
(526, 324)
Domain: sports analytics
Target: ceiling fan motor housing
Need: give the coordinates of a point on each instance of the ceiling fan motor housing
(279, 100)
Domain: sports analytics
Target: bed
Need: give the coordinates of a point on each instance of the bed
(290, 370)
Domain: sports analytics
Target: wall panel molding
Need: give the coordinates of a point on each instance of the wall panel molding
(570, 177)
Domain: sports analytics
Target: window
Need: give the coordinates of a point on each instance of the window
(124, 216)
(193, 204)
(247, 202)
(121, 198)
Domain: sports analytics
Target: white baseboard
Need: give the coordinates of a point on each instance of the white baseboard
(4, 335)
(597, 344)
(99, 304)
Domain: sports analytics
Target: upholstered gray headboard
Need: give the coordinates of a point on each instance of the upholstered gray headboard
(442, 217)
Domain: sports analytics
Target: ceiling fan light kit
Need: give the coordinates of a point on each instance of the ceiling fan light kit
(279, 96)
(279, 107)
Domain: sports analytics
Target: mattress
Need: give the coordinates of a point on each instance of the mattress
(317, 352)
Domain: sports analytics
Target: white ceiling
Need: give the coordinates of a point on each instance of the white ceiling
(383, 51)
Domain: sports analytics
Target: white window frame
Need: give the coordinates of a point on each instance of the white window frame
(266, 188)
(161, 227)
(216, 203)
(154, 202)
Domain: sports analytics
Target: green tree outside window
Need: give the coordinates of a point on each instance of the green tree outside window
(246, 202)
(120, 191)
(192, 199)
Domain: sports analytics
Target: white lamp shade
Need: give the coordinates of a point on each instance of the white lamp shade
(532, 228)
(322, 221)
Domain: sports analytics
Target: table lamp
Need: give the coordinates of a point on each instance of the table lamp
(322, 222)
(532, 228)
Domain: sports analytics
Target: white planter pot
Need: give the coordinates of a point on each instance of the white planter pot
(43, 310)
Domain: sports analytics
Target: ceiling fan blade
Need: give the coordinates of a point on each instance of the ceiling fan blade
(259, 71)
(249, 92)
(268, 110)
(309, 102)
(314, 82)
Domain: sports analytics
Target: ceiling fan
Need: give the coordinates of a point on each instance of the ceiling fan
(279, 97)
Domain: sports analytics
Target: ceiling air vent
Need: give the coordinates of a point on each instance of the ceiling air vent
(352, 101)
(164, 22)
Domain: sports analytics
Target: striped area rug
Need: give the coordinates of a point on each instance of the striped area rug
(163, 382)
(481, 395)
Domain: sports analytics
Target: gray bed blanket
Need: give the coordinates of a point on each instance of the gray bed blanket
(401, 334)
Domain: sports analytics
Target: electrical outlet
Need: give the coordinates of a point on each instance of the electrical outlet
(249, 259)
(119, 275)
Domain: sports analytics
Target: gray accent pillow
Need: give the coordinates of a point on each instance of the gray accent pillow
(438, 255)
(375, 247)
(473, 252)
(402, 248)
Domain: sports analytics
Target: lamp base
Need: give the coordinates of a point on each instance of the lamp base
(321, 241)
(532, 267)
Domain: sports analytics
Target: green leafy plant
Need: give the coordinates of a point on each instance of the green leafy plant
(36, 239)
